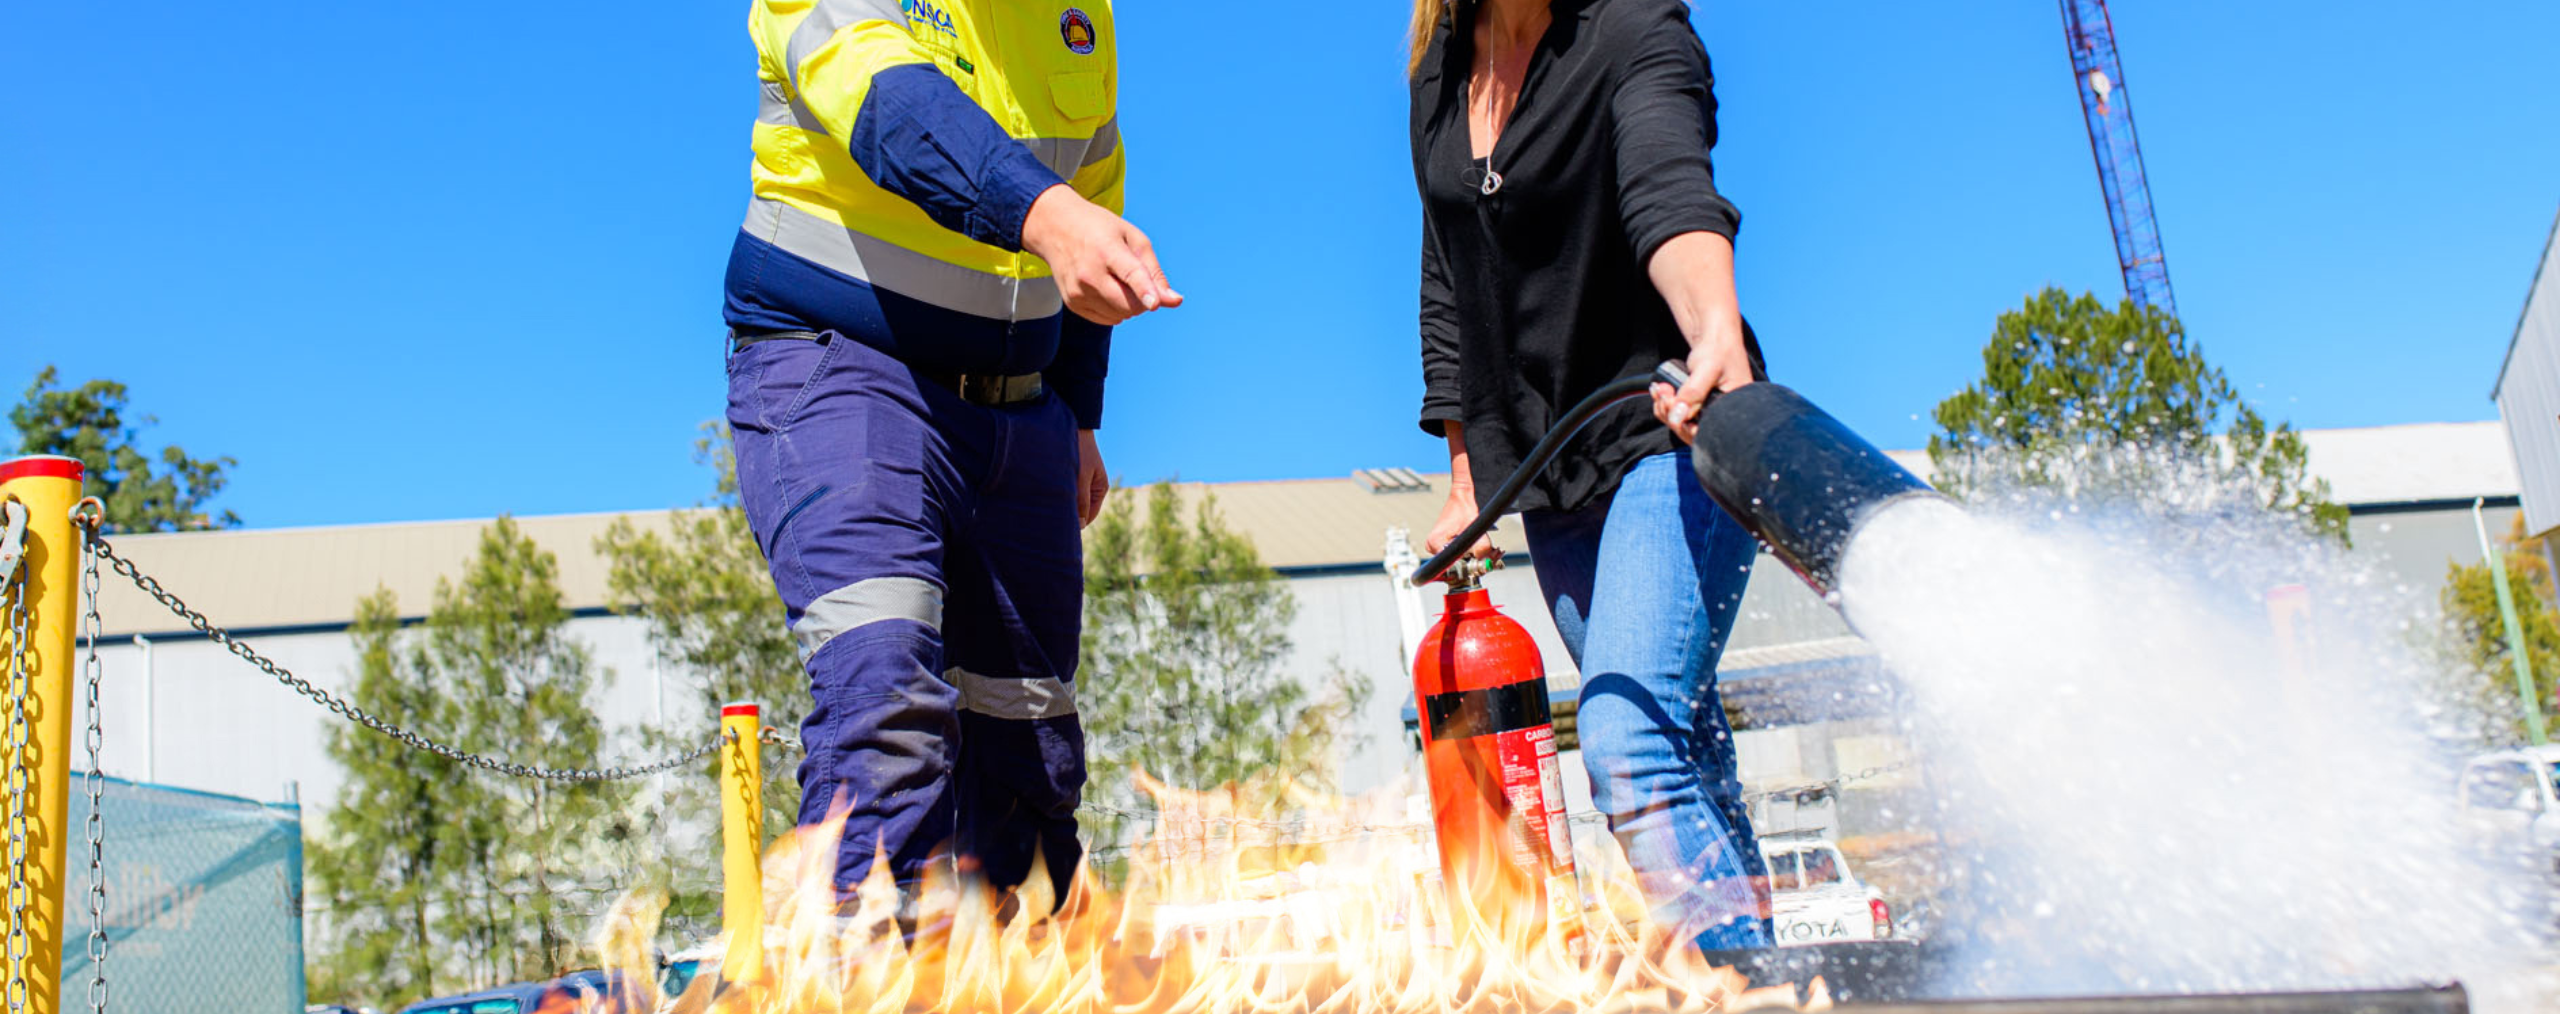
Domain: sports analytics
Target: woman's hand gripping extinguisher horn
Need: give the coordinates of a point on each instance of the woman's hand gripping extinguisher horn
(1671, 372)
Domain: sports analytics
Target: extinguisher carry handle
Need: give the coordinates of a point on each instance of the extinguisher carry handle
(1671, 372)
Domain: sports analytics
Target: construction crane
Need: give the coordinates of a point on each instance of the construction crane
(2092, 38)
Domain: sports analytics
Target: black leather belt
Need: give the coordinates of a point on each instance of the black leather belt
(994, 390)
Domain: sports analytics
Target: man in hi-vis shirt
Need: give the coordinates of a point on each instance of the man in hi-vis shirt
(920, 308)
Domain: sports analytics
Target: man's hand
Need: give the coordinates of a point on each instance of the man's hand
(1092, 483)
(1105, 267)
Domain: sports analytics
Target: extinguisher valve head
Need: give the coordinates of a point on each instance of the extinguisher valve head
(1468, 574)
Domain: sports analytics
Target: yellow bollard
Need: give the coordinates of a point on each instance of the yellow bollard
(742, 841)
(48, 485)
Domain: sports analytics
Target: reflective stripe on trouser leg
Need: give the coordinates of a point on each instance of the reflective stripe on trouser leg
(1014, 619)
(847, 482)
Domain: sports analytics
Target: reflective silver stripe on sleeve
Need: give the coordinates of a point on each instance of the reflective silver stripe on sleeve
(1024, 699)
(863, 603)
(775, 108)
(1066, 155)
(822, 23)
(900, 270)
(1106, 139)
(1061, 154)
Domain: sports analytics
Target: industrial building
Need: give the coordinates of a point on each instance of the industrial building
(2528, 395)
(179, 710)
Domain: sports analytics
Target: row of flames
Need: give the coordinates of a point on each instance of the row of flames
(1213, 918)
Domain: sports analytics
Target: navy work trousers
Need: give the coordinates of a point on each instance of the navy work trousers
(927, 549)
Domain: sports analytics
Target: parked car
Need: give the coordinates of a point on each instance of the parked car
(677, 971)
(1813, 896)
(590, 990)
(2511, 804)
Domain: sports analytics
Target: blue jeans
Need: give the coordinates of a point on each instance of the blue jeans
(1644, 587)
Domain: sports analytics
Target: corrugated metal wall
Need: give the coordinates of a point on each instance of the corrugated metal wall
(2528, 393)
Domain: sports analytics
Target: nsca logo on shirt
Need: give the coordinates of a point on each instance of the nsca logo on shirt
(920, 10)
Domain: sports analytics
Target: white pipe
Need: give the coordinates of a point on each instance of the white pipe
(150, 768)
(1410, 623)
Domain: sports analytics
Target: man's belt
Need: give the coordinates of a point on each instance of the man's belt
(994, 390)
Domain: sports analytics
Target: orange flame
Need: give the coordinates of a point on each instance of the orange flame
(1336, 909)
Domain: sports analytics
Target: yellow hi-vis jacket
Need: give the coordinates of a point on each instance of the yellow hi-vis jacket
(898, 146)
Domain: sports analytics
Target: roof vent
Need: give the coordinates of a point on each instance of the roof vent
(1391, 480)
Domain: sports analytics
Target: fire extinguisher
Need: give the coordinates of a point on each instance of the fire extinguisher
(1489, 751)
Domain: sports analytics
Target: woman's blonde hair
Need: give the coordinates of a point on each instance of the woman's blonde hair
(1426, 18)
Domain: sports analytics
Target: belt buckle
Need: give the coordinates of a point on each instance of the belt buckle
(995, 389)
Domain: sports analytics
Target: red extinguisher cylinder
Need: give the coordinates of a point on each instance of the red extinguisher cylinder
(1489, 753)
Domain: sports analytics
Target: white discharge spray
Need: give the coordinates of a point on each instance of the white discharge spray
(2180, 755)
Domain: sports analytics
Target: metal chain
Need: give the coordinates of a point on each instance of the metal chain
(13, 587)
(347, 710)
(94, 670)
(1819, 788)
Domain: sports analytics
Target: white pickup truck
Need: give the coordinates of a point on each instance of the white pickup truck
(2511, 804)
(1813, 897)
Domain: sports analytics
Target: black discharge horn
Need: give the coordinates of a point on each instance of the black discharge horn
(1794, 476)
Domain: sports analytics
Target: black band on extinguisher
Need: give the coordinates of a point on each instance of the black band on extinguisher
(1460, 714)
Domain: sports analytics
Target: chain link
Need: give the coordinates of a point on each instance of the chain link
(94, 670)
(345, 709)
(14, 588)
(1818, 789)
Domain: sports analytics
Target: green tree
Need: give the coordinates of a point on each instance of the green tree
(377, 869)
(464, 878)
(2475, 635)
(144, 492)
(1183, 672)
(702, 586)
(2116, 403)
(498, 643)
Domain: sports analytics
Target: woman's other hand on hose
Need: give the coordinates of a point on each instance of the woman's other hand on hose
(1459, 510)
(1106, 269)
(1694, 271)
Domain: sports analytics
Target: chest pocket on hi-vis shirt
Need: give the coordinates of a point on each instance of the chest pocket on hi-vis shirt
(1079, 94)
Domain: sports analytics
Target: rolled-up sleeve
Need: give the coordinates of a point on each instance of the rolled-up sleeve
(1665, 112)
(1439, 341)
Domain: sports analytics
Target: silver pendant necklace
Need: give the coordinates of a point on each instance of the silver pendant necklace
(1491, 183)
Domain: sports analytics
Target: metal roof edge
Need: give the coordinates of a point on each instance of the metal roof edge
(2548, 243)
(181, 635)
(483, 522)
(2358, 510)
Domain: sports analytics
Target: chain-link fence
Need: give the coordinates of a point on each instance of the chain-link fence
(200, 900)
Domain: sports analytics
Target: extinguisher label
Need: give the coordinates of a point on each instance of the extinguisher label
(1534, 786)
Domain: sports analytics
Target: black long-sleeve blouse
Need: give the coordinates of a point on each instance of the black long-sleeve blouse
(1534, 291)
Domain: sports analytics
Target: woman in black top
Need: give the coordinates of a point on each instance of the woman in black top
(1572, 235)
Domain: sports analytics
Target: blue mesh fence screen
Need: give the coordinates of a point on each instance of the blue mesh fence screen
(203, 906)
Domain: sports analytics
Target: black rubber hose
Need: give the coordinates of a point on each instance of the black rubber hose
(1491, 508)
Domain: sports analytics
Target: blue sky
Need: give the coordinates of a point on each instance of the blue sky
(446, 260)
